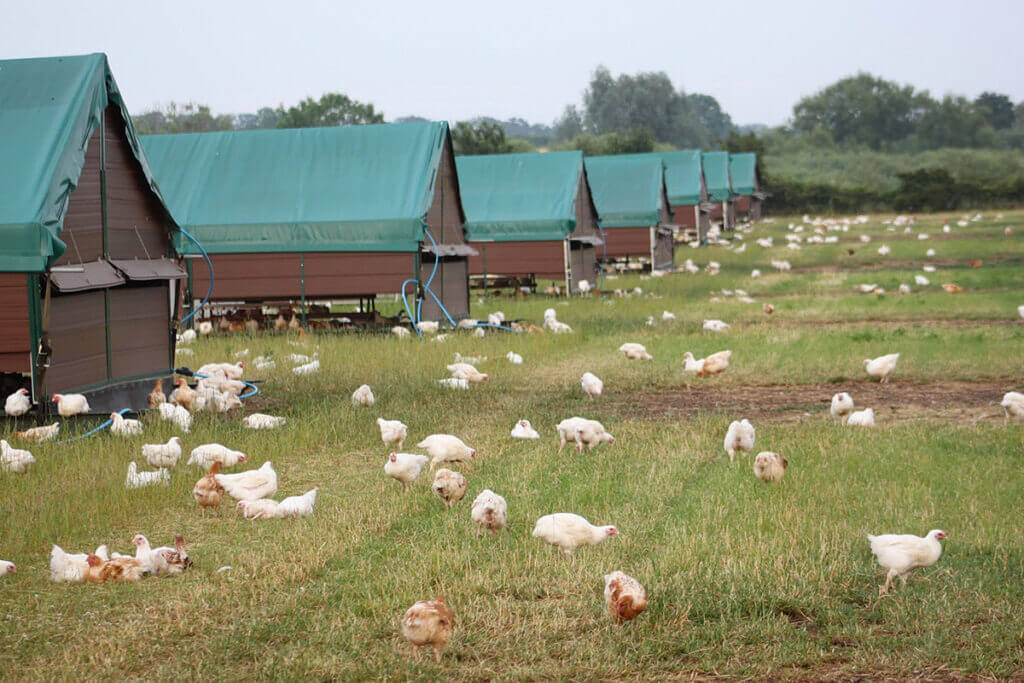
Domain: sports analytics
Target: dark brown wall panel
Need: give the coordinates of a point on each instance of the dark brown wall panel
(451, 284)
(684, 216)
(83, 221)
(137, 226)
(248, 276)
(586, 216)
(664, 250)
(716, 211)
(354, 274)
(583, 258)
(543, 259)
(443, 218)
(15, 344)
(78, 340)
(742, 204)
(139, 330)
(623, 242)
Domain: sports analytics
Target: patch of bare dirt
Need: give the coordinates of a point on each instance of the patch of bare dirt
(897, 401)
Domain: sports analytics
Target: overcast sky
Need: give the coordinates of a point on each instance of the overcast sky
(529, 58)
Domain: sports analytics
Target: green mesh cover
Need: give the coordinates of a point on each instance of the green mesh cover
(627, 189)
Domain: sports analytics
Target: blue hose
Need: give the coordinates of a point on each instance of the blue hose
(426, 287)
(103, 426)
(209, 264)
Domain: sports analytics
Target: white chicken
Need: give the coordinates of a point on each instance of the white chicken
(400, 332)
(163, 454)
(162, 560)
(14, 460)
(205, 327)
(592, 384)
(714, 364)
(251, 484)
(904, 289)
(18, 403)
(921, 281)
(298, 506)
(428, 327)
(449, 486)
(209, 453)
(7, 568)
(467, 372)
(514, 358)
(446, 448)
(263, 421)
(363, 396)
(739, 437)
(40, 434)
(716, 325)
(264, 508)
(311, 367)
(405, 467)
(454, 383)
(188, 336)
(524, 430)
(634, 351)
(69, 405)
(72, 566)
(136, 479)
(392, 431)
(842, 406)
(903, 553)
(569, 531)
(124, 427)
(881, 367)
(179, 415)
(489, 511)
(861, 418)
(667, 316)
(1013, 404)
(582, 431)
(770, 467)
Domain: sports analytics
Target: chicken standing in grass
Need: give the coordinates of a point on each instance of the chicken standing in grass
(363, 396)
(714, 364)
(157, 396)
(446, 448)
(163, 454)
(861, 418)
(842, 406)
(624, 596)
(582, 431)
(467, 372)
(429, 622)
(69, 405)
(392, 432)
(405, 467)
(739, 438)
(179, 415)
(489, 511)
(39, 434)
(592, 384)
(901, 554)
(881, 367)
(207, 492)
(298, 506)
(14, 460)
(251, 484)
(18, 403)
(716, 325)
(183, 395)
(449, 486)
(634, 351)
(770, 467)
(568, 531)
(209, 453)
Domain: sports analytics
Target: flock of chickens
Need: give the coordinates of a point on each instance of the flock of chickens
(429, 622)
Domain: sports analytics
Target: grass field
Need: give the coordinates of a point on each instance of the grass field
(744, 579)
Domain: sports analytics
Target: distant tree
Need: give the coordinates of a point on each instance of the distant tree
(481, 137)
(633, 141)
(266, 117)
(520, 145)
(569, 124)
(186, 118)
(1018, 116)
(707, 110)
(996, 108)
(332, 109)
(953, 122)
(862, 110)
(410, 119)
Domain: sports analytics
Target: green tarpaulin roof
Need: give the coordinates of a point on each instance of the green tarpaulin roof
(49, 109)
(628, 189)
(716, 175)
(349, 188)
(519, 197)
(684, 176)
(743, 171)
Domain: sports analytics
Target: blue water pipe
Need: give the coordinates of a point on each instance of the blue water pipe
(426, 287)
(209, 264)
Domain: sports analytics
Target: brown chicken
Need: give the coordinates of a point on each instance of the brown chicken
(184, 395)
(624, 596)
(236, 327)
(207, 491)
(121, 569)
(157, 396)
(951, 288)
(975, 263)
(95, 571)
(428, 622)
(293, 324)
(280, 324)
(768, 308)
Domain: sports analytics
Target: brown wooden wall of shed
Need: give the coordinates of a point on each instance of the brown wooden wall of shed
(15, 344)
(354, 273)
(445, 217)
(450, 284)
(586, 214)
(544, 259)
(83, 219)
(583, 258)
(78, 338)
(664, 250)
(624, 242)
(742, 204)
(140, 342)
(137, 225)
(684, 215)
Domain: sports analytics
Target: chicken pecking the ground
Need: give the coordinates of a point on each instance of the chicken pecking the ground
(429, 622)
(489, 511)
(770, 467)
(624, 596)
(449, 486)
(739, 438)
(568, 531)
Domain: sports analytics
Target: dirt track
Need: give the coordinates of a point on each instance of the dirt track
(895, 401)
